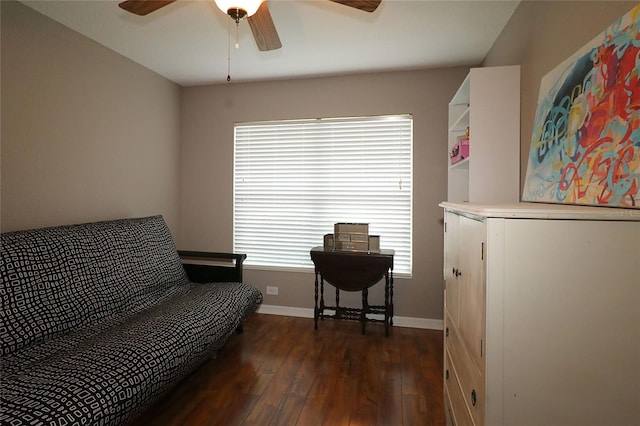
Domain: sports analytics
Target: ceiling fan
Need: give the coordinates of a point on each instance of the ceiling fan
(256, 11)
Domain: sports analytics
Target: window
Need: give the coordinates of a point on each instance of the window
(293, 180)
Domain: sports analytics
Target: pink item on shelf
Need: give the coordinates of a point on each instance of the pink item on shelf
(460, 150)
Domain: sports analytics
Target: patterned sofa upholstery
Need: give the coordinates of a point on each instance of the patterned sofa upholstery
(99, 320)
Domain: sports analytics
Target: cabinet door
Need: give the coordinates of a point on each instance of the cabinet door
(451, 256)
(465, 317)
(471, 279)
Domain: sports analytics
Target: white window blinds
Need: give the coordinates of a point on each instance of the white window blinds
(293, 180)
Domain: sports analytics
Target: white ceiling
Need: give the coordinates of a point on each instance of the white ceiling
(187, 41)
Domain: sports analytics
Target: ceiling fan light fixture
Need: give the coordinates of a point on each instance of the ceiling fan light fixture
(238, 9)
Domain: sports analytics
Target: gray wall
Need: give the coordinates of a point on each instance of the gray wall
(539, 36)
(89, 135)
(208, 115)
(86, 133)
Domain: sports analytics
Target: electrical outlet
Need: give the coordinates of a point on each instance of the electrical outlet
(272, 290)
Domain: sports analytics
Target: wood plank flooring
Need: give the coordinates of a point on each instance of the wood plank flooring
(282, 372)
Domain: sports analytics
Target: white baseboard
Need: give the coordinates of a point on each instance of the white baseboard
(286, 311)
(426, 323)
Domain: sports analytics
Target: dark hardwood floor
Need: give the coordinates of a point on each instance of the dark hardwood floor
(282, 372)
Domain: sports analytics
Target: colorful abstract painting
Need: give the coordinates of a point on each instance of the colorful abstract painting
(585, 147)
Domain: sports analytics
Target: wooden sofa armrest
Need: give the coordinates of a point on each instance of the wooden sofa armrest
(207, 267)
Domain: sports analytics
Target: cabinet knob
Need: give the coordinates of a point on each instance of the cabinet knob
(474, 399)
(446, 374)
(458, 273)
(446, 332)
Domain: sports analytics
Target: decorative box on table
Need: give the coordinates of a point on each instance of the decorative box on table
(352, 237)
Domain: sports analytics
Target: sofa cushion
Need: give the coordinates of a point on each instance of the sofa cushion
(108, 373)
(54, 280)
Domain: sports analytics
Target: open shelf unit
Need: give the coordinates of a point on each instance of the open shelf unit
(488, 104)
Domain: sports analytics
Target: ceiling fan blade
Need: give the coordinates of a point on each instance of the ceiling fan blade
(264, 30)
(143, 7)
(365, 5)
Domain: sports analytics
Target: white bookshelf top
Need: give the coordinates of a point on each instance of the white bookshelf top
(462, 95)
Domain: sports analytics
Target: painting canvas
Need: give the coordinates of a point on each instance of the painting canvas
(585, 147)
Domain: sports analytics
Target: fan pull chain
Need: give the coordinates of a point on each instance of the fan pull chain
(229, 51)
(237, 42)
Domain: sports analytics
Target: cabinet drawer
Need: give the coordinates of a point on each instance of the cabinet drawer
(469, 376)
(448, 412)
(459, 413)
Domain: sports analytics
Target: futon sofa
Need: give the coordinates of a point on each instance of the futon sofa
(99, 320)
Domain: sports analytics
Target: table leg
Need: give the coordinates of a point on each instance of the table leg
(387, 307)
(315, 310)
(391, 295)
(321, 298)
(365, 307)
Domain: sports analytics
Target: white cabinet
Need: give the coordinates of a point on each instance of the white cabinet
(464, 316)
(488, 104)
(542, 315)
